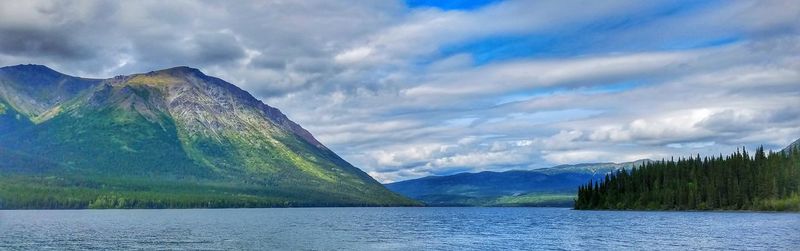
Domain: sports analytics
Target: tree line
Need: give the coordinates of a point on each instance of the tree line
(740, 181)
(55, 192)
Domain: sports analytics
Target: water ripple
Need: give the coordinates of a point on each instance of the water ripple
(396, 229)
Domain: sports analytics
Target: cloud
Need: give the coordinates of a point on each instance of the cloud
(423, 32)
(408, 91)
(516, 76)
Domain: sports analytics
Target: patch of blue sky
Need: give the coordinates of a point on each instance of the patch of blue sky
(549, 91)
(461, 122)
(450, 4)
(697, 44)
(597, 37)
(547, 117)
(527, 95)
(614, 87)
(500, 48)
(692, 144)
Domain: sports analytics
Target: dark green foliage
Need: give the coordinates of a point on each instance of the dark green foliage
(10, 120)
(54, 192)
(107, 142)
(736, 182)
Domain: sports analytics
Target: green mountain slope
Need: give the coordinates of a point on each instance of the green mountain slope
(170, 138)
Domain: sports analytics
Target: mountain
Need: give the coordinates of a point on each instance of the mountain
(554, 186)
(792, 146)
(168, 138)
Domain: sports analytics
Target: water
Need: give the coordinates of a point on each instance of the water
(396, 229)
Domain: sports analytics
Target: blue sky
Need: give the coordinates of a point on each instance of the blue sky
(581, 39)
(406, 89)
(450, 5)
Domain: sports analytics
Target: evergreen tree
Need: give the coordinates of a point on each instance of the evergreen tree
(740, 181)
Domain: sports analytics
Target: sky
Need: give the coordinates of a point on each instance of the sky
(407, 89)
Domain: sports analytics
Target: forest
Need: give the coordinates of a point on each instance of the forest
(101, 192)
(740, 181)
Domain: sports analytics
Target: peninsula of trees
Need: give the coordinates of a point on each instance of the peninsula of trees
(740, 181)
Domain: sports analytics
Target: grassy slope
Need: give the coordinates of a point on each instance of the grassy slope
(10, 120)
(114, 154)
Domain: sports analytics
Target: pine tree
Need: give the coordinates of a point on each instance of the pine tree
(739, 181)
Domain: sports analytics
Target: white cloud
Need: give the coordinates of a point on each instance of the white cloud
(516, 76)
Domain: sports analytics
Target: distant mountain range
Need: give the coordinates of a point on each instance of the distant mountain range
(168, 138)
(554, 186)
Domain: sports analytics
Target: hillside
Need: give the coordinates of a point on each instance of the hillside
(794, 145)
(168, 138)
(555, 186)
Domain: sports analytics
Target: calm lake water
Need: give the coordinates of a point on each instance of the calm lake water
(395, 229)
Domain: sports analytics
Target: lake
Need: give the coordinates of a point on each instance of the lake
(395, 229)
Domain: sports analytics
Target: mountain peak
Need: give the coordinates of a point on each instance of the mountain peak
(166, 76)
(33, 90)
(31, 69)
(180, 70)
(174, 125)
(26, 66)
